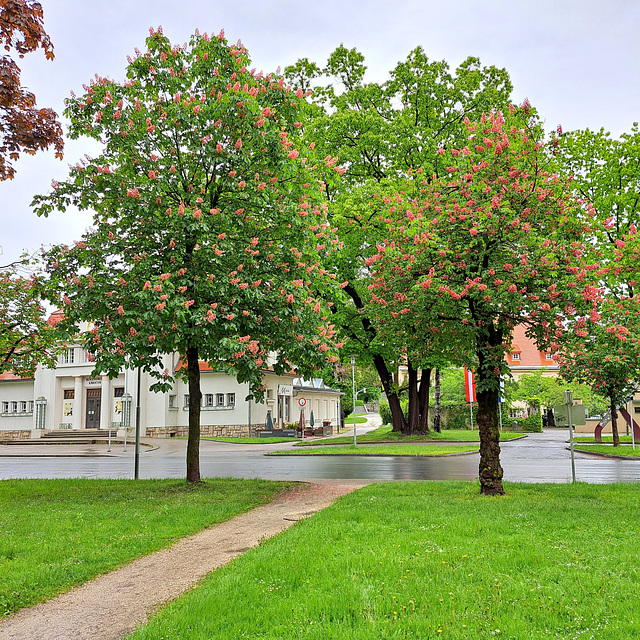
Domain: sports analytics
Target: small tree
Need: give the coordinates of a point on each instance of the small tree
(208, 228)
(495, 244)
(24, 128)
(603, 351)
(26, 339)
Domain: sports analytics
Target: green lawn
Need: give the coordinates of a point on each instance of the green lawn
(60, 533)
(252, 440)
(424, 560)
(384, 434)
(361, 418)
(625, 450)
(605, 439)
(380, 450)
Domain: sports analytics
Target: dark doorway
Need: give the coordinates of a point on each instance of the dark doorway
(93, 408)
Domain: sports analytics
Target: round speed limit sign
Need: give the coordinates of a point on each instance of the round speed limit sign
(302, 402)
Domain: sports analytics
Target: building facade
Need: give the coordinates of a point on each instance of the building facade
(71, 397)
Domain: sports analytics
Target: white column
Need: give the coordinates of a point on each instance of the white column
(54, 415)
(105, 402)
(78, 403)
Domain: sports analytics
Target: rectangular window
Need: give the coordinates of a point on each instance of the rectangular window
(269, 394)
(208, 399)
(548, 356)
(173, 402)
(23, 406)
(13, 408)
(118, 392)
(67, 356)
(186, 399)
(30, 406)
(220, 399)
(231, 399)
(5, 407)
(68, 394)
(515, 356)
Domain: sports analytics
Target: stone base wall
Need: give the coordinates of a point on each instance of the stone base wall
(206, 431)
(16, 434)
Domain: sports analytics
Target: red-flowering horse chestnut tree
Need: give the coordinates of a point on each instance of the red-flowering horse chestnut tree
(496, 243)
(209, 225)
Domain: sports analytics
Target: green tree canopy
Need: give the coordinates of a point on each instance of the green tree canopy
(380, 132)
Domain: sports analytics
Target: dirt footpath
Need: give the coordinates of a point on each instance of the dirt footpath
(113, 604)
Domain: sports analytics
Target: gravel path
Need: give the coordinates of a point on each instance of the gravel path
(113, 604)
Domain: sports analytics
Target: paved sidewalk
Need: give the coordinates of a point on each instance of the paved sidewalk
(113, 604)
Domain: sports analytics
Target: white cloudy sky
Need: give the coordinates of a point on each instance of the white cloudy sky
(577, 61)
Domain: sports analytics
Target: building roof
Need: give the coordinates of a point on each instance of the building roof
(528, 354)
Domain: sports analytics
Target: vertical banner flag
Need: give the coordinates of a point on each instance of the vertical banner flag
(469, 385)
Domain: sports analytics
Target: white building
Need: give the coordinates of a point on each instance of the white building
(69, 397)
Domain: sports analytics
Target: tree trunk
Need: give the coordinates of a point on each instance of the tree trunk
(195, 396)
(614, 424)
(413, 401)
(490, 471)
(423, 401)
(436, 408)
(397, 417)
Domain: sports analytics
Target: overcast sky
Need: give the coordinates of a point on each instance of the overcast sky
(577, 61)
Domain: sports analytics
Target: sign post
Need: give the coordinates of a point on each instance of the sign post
(302, 403)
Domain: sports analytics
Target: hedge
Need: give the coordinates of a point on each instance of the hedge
(532, 424)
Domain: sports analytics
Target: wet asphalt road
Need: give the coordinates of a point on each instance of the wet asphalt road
(537, 458)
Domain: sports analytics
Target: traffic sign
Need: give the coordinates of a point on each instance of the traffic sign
(302, 402)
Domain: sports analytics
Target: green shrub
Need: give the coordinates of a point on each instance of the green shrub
(359, 403)
(457, 416)
(385, 412)
(532, 424)
(347, 404)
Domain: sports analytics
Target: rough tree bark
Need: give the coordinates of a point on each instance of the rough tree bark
(490, 470)
(614, 424)
(436, 407)
(195, 396)
(397, 417)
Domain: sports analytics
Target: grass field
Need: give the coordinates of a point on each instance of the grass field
(605, 439)
(625, 450)
(252, 440)
(60, 533)
(381, 450)
(384, 434)
(425, 560)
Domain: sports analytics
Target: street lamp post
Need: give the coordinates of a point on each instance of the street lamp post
(568, 400)
(353, 388)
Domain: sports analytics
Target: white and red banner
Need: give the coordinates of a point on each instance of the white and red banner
(469, 385)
